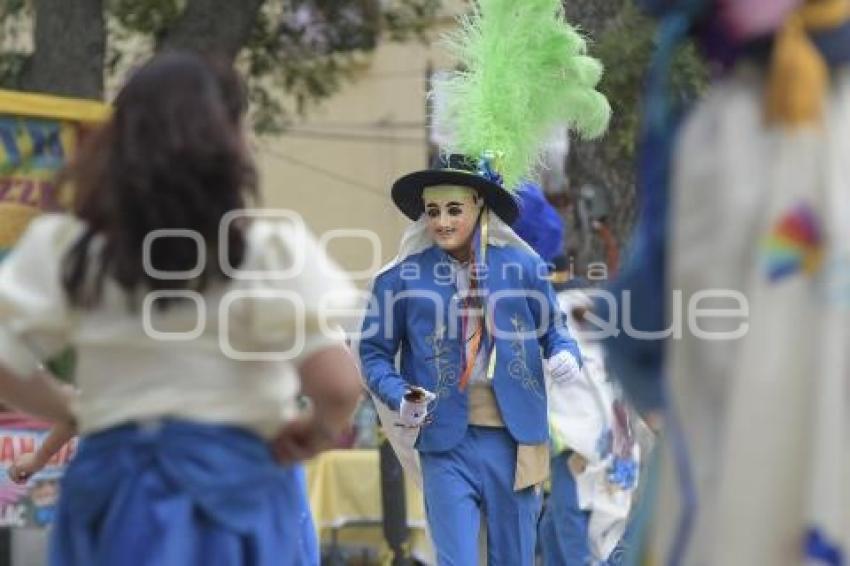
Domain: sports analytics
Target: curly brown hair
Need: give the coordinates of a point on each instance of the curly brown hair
(172, 156)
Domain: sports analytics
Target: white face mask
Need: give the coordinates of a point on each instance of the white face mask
(452, 213)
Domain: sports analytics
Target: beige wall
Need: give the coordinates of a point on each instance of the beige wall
(335, 182)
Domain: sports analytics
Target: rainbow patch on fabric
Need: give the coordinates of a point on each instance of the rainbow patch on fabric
(794, 245)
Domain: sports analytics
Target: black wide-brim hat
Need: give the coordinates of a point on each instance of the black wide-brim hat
(457, 170)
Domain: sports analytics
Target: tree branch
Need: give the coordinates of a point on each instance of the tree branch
(70, 42)
(218, 27)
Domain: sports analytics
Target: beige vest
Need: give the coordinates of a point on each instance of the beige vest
(532, 460)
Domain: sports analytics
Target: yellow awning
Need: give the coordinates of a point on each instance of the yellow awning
(56, 107)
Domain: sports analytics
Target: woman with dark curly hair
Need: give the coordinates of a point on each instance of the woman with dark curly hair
(192, 322)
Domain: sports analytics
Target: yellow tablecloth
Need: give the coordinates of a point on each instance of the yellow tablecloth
(345, 496)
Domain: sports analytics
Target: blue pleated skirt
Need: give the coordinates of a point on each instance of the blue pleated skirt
(180, 493)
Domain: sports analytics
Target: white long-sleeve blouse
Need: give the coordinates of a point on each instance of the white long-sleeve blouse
(228, 356)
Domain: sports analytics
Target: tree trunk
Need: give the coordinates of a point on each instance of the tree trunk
(219, 27)
(70, 42)
(588, 162)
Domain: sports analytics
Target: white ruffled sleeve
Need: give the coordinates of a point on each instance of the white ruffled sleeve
(35, 320)
(294, 296)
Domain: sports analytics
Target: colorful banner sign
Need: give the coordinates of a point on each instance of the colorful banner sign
(32, 504)
(38, 134)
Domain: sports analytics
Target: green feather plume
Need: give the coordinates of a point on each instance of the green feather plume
(525, 71)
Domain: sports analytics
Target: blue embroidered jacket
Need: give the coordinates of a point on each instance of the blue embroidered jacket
(415, 307)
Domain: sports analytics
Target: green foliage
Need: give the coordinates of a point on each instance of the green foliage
(625, 50)
(314, 46)
(299, 51)
(307, 52)
(11, 59)
(151, 17)
(406, 19)
(11, 7)
(11, 65)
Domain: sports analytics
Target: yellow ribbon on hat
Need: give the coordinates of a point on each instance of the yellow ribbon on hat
(799, 76)
(559, 277)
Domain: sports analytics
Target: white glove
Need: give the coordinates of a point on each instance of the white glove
(563, 367)
(414, 406)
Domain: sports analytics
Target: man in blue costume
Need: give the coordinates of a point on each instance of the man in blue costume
(469, 305)
(466, 302)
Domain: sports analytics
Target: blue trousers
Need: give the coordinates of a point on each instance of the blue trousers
(476, 478)
(563, 529)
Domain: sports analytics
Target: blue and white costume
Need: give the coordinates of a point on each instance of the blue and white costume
(595, 458)
(468, 469)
